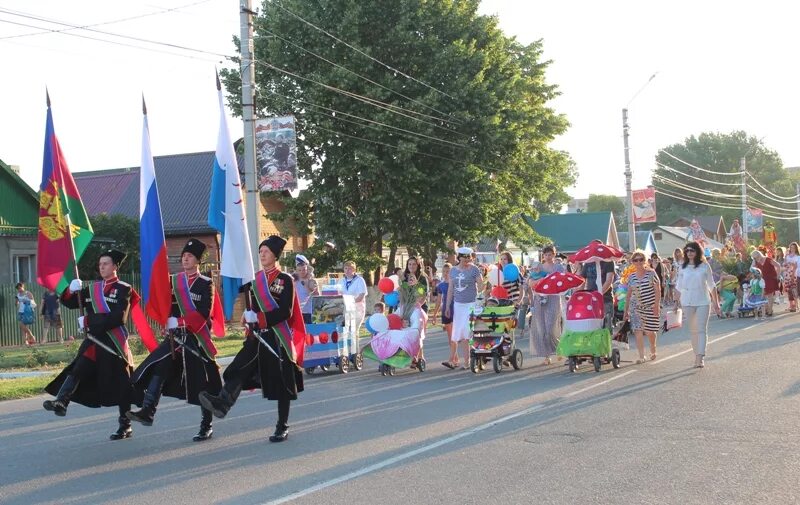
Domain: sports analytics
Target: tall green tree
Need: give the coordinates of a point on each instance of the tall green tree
(608, 203)
(111, 231)
(457, 152)
(692, 192)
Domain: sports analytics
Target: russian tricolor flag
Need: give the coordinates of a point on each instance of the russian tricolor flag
(226, 215)
(156, 289)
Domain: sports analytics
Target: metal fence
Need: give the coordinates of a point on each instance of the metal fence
(10, 334)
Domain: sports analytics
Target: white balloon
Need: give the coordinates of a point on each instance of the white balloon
(379, 323)
(396, 280)
(495, 276)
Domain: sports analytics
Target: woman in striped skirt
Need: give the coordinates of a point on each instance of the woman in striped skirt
(643, 307)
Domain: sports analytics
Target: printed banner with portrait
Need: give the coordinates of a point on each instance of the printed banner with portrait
(276, 154)
(644, 205)
(755, 220)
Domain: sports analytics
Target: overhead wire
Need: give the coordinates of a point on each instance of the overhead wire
(110, 22)
(686, 187)
(718, 205)
(684, 174)
(359, 51)
(116, 42)
(294, 44)
(787, 199)
(698, 168)
(371, 121)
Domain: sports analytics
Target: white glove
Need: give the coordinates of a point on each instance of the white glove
(250, 316)
(76, 285)
(81, 319)
(172, 323)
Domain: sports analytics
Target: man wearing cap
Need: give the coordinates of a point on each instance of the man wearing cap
(272, 355)
(305, 284)
(184, 364)
(100, 373)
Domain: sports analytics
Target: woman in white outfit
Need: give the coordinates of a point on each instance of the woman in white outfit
(696, 293)
(466, 282)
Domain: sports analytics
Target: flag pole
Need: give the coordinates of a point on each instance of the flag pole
(74, 261)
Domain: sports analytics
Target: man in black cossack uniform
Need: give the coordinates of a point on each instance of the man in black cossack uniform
(272, 354)
(99, 376)
(184, 363)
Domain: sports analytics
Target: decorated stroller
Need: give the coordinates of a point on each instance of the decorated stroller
(585, 336)
(392, 345)
(750, 303)
(493, 338)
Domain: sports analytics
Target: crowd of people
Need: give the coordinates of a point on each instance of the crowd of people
(278, 305)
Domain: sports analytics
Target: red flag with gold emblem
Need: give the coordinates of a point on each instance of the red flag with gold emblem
(60, 206)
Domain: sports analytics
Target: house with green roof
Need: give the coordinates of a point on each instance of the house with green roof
(19, 225)
(571, 232)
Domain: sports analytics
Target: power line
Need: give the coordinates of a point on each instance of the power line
(696, 190)
(113, 42)
(370, 101)
(699, 168)
(787, 199)
(378, 123)
(720, 206)
(113, 21)
(102, 32)
(684, 174)
(278, 4)
(287, 41)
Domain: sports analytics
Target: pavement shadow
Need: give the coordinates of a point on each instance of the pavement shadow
(783, 338)
(550, 412)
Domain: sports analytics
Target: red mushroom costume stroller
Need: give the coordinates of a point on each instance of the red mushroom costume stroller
(585, 337)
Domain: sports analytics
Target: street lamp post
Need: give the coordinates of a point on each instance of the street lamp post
(628, 173)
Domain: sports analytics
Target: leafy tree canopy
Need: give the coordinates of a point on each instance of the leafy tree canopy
(111, 231)
(692, 192)
(605, 203)
(458, 152)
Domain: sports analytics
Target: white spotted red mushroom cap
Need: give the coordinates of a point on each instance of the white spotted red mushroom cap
(558, 282)
(597, 251)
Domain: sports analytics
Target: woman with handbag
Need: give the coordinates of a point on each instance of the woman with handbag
(696, 293)
(643, 307)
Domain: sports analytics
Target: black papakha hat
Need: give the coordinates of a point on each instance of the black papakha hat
(275, 244)
(116, 256)
(194, 247)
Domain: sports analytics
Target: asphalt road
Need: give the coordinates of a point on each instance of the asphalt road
(658, 433)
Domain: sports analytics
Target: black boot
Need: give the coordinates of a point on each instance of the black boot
(282, 428)
(60, 404)
(220, 404)
(151, 397)
(205, 427)
(124, 430)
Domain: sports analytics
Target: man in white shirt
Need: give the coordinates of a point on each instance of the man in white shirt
(354, 285)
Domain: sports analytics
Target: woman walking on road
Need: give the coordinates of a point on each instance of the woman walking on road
(696, 293)
(643, 307)
(465, 284)
(546, 324)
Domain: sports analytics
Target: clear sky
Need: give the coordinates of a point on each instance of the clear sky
(722, 65)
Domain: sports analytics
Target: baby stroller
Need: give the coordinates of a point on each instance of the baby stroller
(585, 338)
(493, 338)
(749, 303)
(394, 349)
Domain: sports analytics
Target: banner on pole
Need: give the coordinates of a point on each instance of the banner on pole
(644, 205)
(755, 220)
(276, 154)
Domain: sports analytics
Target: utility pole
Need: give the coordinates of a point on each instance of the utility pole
(742, 169)
(252, 199)
(628, 190)
(797, 188)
